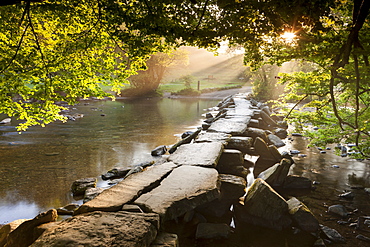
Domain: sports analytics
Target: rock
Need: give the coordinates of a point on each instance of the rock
(114, 198)
(297, 182)
(81, 185)
(215, 210)
(297, 134)
(165, 239)
(275, 140)
(184, 189)
(186, 134)
(261, 148)
(5, 120)
(68, 209)
(275, 153)
(205, 126)
(132, 208)
(231, 126)
(332, 234)
(212, 230)
(186, 140)
(202, 154)
(254, 123)
(91, 193)
(292, 152)
(302, 216)
(8, 228)
(158, 151)
(347, 195)
(232, 187)
(268, 120)
(261, 165)
(363, 238)
(361, 223)
(229, 159)
(118, 172)
(103, 229)
(319, 243)
(213, 137)
(243, 144)
(275, 175)
(263, 207)
(24, 234)
(254, 133)
(281, 133)
(339, 210)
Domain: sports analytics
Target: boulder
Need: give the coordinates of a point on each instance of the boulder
(276, 175)
(81, 185)
(281, 133)
(229, 159)
(165, 239)
(184, 189)
(302, 217)
(255, 132)
(232, 187)
(8, 228)
(262, 164)
(118, 172)
(332, 234)
(241, 143)
(297, 182)
(24, 235)
(91, 193)
(261, 148)
(212, 231)
(263, 206)
(268, 120)
(275, 140)
(204, 154)
(103, 229)
(254, 123)
(114, 198)
(158, 151)
(186, 134)
(338, 210)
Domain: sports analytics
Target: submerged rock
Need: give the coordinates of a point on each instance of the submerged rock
(332, 234)
(339, 210)
(158, 151)
(81, 185)
(212, 230)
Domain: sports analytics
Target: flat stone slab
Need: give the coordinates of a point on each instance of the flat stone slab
(213, 137)
(229, 126)
(112, 199)
(204, 154)
(184, 189)
(102, 229)
(242, 107)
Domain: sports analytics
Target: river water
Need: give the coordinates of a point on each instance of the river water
(38, 166)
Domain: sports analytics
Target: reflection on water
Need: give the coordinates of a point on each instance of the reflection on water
(38, 167)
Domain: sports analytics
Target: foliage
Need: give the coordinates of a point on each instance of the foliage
(188, 80)
(60, 50)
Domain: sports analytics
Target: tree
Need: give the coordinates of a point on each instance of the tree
(60, 50)
(148, 80)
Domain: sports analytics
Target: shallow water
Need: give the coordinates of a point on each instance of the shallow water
(38, 167)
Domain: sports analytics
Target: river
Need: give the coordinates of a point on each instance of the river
(38, 166)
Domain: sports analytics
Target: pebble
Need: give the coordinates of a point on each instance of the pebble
(335, 166)
(363, 238)
(339, 210)
(347, 195)
(323, 152)
(316, 182)
(302, 155)
(294, 152)
(296, 134)
(332, 234)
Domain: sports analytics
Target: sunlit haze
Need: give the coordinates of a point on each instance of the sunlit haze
(288, 36)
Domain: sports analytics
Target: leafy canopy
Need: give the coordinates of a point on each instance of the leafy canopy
(56, 51)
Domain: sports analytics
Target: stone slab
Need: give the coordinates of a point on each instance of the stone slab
(186, 188)
(102, 229)
(204, 154)
(213, 137)
(112, 199)
(229, 126)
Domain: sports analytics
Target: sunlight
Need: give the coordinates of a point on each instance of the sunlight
(288, 36)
